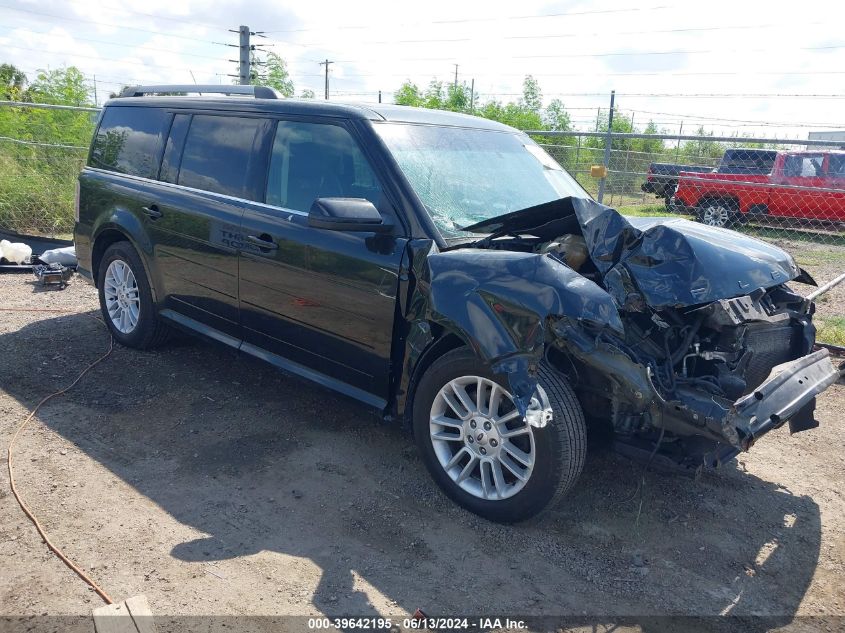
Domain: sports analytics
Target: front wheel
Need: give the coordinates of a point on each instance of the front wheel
(482, 452)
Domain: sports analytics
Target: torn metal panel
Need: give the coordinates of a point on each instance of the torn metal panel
(670, 261)
(499, 303)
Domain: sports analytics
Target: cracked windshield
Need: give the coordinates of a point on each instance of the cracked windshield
(464, 176)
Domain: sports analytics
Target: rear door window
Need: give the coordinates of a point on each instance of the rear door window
(130, 140)
(318, 160)
(223, 154)
(803, 166)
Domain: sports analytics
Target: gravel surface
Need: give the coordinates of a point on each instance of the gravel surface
(213, 484)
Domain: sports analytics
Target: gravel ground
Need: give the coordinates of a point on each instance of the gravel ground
(213, 484)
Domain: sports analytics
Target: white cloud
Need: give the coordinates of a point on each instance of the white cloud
(495, 42)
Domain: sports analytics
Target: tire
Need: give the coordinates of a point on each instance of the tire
(121, 273)
(558, 449)
(718, 213)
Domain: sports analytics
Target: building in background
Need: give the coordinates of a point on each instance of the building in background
(832, 135)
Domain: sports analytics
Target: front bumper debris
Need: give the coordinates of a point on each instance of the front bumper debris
(783, 396)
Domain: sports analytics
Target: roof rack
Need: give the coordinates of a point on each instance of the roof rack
(259, 92)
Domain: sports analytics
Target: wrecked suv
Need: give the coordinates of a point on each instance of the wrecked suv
(446, 271)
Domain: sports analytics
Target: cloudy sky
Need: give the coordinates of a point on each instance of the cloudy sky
(729, 65)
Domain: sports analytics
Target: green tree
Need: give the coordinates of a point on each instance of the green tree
(556, 117)
(12, 83)
(62, 86)
(307, 93)
(701, 150)
(409, 94)
(532, 96)
(275, 75)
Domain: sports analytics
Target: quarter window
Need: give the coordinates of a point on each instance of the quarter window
(220, 155)
(837, 165)
(130, 140)
(315, 160)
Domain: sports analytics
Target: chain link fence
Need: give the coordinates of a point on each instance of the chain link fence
(42, 150)
(790, 193)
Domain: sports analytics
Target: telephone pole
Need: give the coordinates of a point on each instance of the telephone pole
(456, 75)
(326, 64)
(243, 62)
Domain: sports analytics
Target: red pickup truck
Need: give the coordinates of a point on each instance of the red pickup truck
(803, 184)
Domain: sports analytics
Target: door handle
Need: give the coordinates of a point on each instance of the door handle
(152, 212)
(264, 242)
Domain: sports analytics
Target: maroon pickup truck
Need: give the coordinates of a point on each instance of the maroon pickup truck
(808, 185)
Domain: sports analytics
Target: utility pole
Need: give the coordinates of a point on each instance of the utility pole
(243, 60)
(456, 76)
(379, 96)
(95, 91)
(472, 96)
(326, 64)
(607, 143)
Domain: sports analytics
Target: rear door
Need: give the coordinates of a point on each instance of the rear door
(214, 164)
(320, 302)
(834, 208)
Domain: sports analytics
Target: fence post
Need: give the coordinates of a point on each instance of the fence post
(608, 142)
(577, 155)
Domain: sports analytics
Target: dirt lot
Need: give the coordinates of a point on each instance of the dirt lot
(213, 484)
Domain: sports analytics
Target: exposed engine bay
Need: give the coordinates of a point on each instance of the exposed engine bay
(706, 316)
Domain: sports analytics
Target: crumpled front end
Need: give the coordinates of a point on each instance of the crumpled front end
(671, 334)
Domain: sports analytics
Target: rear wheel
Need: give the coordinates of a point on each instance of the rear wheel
(482, 453)
(126, 299)
(718, 213)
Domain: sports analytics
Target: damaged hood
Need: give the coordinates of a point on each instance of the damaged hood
(668, 261)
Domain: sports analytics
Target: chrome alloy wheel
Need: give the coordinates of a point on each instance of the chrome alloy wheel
(480, 439)
(123, 302)
(716, 215)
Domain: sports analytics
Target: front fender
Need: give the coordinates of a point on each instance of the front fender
(501, 303)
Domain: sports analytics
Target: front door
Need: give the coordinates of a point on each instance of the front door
(320, 302)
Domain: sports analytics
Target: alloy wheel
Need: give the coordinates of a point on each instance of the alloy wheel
(123, 302)
(716, 215)
(479, 438)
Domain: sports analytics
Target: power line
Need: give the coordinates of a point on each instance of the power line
(117, 26)
(103, 59)
(466, 20)
(603, 54)
(748, 121)
(168, 18)
(133, 46)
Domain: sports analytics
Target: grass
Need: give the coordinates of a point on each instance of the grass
(38, 199)
(649, 211)
(830, 330)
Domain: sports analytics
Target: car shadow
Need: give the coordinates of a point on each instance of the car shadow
(261, 462)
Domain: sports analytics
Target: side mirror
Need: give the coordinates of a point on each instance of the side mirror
(347, 214)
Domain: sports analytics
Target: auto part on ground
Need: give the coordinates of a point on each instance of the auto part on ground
(669, 326)
(37, 244)
(52, 274)
(65, 256)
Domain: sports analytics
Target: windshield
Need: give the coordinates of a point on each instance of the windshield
(464, 176)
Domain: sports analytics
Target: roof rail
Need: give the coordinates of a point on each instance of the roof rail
(259, 92)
